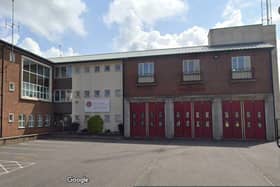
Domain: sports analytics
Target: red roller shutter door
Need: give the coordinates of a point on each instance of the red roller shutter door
(203, 119)
(156, 119)
(254, 120)
(137, 120)
(182, 119)
(232, 120)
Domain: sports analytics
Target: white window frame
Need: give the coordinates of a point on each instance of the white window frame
(108, 94)
(86, 95)
(118, 118)
(11, 86)
(77, 94)
(241, 63)
(21, 121)
(146, 69)
(97, 67)
(68, 96)
(12, 119)
(118, 69)
(105, 66)
(107, 118)
(47, 120)
(31, 121)
(49, 93)
(118, 92)
(40, 120)
(97, 95)
(191, 66)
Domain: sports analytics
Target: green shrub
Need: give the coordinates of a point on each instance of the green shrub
(95, 124)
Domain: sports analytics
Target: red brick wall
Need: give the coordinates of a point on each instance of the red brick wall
(13, 103)
(216, 75)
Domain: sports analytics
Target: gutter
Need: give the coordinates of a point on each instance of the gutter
(2, 91)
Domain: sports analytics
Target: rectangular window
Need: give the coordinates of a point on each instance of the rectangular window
(40, 120)
(77, 94)
(96, 93)
(36, 80)
(77, 117)
(11, 118)
(106, 118)
(77, 70)
(86, 93)
(146, 69)
(241, 67)
(21, 121)
(31, 121)
(69, 96)
(118, 118)
(118, 67)
(107, 68)
(69, 71)
(11, 86)
(97, 69)
(107, 93)
(47, 120)
(57, 96)
(87, 69)
(62, 95)
(57, 72)
(191, 70)
(117, 92)
(191, 66)
(63, 72)
(86, 118)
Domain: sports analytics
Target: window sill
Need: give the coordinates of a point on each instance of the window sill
(242, 80)
(140, 84)
(191, 82)
(21, 127)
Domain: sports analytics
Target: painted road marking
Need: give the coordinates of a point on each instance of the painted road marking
(9, 166)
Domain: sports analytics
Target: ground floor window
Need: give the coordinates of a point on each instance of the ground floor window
(31, 121)
(47, 120)
(21, 121)
(40, 120)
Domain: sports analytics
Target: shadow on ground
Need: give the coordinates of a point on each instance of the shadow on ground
(178, 142)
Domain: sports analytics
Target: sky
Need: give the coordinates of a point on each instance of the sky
(55, 28)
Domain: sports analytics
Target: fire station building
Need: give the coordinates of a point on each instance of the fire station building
(227, 89)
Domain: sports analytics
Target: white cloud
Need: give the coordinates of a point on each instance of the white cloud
(232, 15)
(135, 20)
(48, 18)
(32, 46)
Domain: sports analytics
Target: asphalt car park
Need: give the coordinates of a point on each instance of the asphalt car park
(139, 163)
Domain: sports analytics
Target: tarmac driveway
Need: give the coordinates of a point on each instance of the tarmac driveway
(140, 163)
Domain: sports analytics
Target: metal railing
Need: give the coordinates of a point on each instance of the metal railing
(242, 74)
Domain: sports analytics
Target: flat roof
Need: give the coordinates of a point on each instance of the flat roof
(159, 52)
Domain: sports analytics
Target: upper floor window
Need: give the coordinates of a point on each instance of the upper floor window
(118, 67)
(77, 70)
(107, 68)
(241, 67)
(191, 70)
(61, 96)
(36, 80)
(86, 93)
(107, 93)
(96, 93)
(146, 72)
(62, 72)
(12, 56)
(97, 69)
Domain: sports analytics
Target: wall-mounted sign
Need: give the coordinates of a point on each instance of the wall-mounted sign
(97, 105)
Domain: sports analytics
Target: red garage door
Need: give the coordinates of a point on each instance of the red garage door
(182, 119)
(203, 119)
(254, 120)
(232, 120)
(156, 120)
(137, 120)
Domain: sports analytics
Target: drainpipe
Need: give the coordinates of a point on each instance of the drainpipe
(2, 91)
